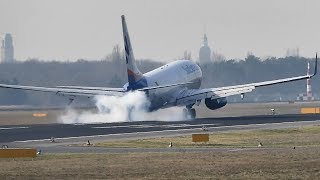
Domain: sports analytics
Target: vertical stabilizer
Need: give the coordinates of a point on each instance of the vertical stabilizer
(134, 75)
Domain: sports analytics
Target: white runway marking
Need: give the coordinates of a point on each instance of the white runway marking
(188, 125)
(129, 126)
(9, 128)
(154, 125)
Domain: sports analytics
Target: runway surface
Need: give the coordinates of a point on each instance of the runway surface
(41, 132)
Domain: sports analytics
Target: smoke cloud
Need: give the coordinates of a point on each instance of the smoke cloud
(131, 107)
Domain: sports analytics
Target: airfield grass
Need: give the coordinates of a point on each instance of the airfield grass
(301, 163)
(275, 160)
(308, 136)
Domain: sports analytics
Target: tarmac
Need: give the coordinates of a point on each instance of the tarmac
(65, 135)
(254, 116)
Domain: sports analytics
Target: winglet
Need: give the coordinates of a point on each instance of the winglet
(315, 66)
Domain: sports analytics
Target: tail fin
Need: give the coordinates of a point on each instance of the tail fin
(134, 75)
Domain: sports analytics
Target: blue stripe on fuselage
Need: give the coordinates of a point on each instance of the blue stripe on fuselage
(142, 83)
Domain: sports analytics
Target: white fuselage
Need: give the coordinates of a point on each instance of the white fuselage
(182, 71)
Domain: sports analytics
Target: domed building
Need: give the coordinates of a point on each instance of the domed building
(205, 51)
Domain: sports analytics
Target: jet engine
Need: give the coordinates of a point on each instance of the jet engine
(215, 103)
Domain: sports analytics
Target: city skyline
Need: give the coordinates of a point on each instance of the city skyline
(160, 30)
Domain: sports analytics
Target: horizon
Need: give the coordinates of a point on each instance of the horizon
(154, 60)
(160, 30)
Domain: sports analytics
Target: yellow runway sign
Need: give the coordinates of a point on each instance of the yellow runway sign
(200, 137)
(314, 110)
(17, 153)
(39, 114)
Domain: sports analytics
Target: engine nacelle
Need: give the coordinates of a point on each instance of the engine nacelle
(215, 103)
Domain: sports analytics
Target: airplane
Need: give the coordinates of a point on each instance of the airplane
(174, 84)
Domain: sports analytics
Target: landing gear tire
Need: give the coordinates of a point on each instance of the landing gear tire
(189, 113)
(192, 113)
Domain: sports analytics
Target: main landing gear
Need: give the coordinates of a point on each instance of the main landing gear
(189, 113)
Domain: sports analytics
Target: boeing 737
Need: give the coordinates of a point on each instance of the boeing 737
(174, 84)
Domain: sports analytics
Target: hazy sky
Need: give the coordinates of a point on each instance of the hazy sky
(160, 30)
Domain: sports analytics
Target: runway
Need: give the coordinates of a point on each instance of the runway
(46, 131)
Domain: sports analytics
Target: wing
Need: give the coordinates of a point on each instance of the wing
(92, 88)
(70, 91)
(122, 89)
(187, 97)
(73, 91)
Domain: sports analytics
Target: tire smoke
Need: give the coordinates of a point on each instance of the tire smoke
(131, 107)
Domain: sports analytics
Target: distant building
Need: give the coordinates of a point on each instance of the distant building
(293, 52)
(205, 51)
(7, 50)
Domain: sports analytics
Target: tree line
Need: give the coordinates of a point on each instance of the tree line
(111, 72)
